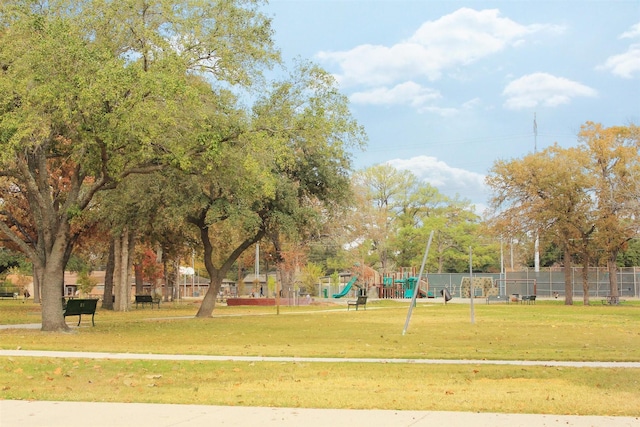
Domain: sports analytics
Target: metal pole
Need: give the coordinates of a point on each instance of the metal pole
(471, 290)
(511, 251)
(193, 267)
(536, 257)
(502, 272)
(415, 291)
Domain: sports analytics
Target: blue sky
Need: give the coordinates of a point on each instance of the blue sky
(445, 88)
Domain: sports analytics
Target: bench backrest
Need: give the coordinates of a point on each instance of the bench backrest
(362, 300)
(144, 298)
(80, 306)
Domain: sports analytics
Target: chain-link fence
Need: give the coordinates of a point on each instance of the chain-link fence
(548, 282)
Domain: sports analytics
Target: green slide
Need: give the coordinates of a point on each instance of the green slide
(347, 288)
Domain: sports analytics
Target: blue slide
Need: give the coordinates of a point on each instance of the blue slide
(347, 288)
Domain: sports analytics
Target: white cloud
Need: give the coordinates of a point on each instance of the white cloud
(543, 89)
(448, 180)
(460, 38)
(472, 104)
(408, 93)
(441, 111)
(625, 64)
(632, 33)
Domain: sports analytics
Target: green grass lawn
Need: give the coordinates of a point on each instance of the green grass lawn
(545, 331)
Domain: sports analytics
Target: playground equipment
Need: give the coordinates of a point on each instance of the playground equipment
(347, 288)
(403, 287)
(410, 286)
(482, 287)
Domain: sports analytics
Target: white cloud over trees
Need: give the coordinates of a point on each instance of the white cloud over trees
(401, 73)
(448, 180)
(408, 93)
(543, 89)
(460, 38)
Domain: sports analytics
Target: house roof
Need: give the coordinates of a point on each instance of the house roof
(262, 278)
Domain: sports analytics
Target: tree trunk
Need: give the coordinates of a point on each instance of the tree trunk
(568, 282)
(612, 266)
(209, 300)
(121, 272)
(52, 290)
(107, 297)
(37, 286)
(585, 285)
(167, 279)
(175, 291)
(585, 281)
(52, 317)
(137, 271)
(49, 268)
(117, 267)
(217, 274)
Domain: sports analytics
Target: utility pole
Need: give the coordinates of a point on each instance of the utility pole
(535, 134)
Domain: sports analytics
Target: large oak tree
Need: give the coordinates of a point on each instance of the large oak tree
(582, 199)
(94, 91)
(279, 170)
(614, 165)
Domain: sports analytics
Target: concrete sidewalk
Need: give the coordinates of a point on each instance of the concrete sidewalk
(70, 414)
(295, 359)
(15, 413)
(292, 359)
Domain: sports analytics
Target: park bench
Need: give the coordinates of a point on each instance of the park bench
(78, 307)
(361, 301)
(528, 299)
(497, 298)
(11, 295)
(146, 299)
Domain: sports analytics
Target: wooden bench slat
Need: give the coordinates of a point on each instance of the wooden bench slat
(12, 295)
(146, 299)
(361, 301)
(78, 307)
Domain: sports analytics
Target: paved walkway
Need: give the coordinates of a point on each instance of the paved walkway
(70, 414)
(81, 414)
(202, 357)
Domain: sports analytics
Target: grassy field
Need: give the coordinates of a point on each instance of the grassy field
(545, 331)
